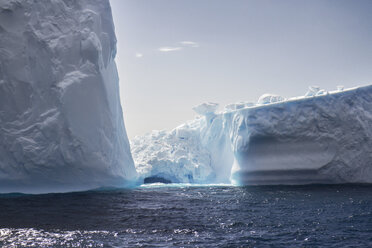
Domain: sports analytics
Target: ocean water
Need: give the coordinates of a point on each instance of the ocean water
(191, 216)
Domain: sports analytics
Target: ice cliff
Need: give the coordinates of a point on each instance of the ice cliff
(322, 137)
(61, 123)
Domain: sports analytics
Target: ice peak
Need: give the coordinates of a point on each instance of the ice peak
(206, 108)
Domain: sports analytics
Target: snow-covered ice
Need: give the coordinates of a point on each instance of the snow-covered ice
(206, 108)
(321, 139)
(317, 138)
(195, 152)
(176, 156)
(61, 123)
(269, 98)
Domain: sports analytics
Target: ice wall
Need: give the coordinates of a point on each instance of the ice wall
(322, 137)
(318, 139)
(61, 123)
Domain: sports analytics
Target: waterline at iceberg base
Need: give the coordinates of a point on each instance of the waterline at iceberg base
(319, 138)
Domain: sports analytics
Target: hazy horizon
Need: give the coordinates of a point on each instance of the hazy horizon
(173, 55)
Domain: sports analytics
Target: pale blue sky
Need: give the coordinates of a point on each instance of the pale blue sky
(239, 50)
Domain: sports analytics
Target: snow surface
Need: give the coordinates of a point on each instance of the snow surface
(269, 98)
(206, 108)
(316, 138)
(61, 121)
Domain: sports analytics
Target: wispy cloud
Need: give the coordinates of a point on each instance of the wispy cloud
(169, 49)
(139, 55)
(181, 45)
(189, 43)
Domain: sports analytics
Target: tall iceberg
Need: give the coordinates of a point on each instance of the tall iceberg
(61, 123)
(318, 138)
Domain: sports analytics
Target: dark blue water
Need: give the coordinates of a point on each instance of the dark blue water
(176, 216)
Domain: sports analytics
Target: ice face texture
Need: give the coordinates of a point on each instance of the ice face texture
(322, 138)
(61, 121)
(195, 152)
(198, 151)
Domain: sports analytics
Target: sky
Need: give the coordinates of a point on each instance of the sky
(175, 54)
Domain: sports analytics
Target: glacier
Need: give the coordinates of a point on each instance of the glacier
(61, 121)
(321, 137)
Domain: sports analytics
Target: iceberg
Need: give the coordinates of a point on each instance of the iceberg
(61, 121)
(198, 151)
(317, 138)
(321, 139)
(177, 156)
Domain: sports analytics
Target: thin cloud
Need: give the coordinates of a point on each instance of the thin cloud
(169, 49)
(139, 55)
(182, 45)
(189, 43)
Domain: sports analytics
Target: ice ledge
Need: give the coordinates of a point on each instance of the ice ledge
(270, 99)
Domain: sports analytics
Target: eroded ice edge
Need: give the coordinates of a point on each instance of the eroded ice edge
(61, 121)
(322, 137)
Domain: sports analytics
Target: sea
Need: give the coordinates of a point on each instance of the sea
(182, 215)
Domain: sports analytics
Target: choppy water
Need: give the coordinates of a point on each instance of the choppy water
(183, 216)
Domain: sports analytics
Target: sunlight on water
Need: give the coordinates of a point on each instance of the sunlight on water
(30, 237)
